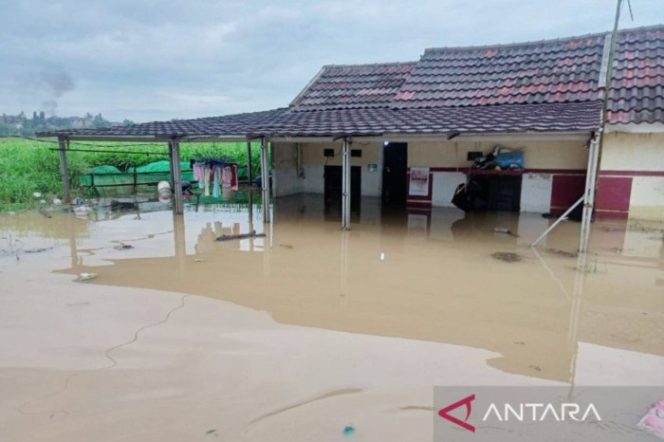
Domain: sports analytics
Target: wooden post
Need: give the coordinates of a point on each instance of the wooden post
(174, 149)
(249, 163)
(64, 170)
(345, 185)
(265, 181)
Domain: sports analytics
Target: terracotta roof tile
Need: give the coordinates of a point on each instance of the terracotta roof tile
(283, 122)
(353, 86)
(637, 88)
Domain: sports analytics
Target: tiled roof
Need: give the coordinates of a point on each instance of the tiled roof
(544, 117)
(353, 86)
(552, 71)
(552, 85)
(637, 89)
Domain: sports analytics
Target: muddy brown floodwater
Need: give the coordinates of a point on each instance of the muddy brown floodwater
(299, 335)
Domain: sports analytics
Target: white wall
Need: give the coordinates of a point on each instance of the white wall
(443, 187)
(287, 182)
(641, 157)
(536, 192)
(284, 171)
(647, 199)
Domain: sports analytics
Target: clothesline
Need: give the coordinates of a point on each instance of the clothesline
(214, 174)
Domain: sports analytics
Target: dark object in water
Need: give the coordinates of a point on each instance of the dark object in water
(123, 205)
(38, 250)
(251, 234)
(574, 215)
(123, 246)
(44, 212)
(505, 231)
(468, 196)
(564, 253)
(507, 256)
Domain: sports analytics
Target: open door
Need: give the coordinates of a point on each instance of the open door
(395, 168)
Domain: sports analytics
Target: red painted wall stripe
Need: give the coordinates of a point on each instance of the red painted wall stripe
(565, 191)
(551, 171)
(613, 195)
(631, 173)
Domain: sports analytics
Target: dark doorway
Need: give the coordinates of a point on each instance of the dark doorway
(332, 191)
(395, 168)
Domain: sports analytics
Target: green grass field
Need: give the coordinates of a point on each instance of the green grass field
(28, 166)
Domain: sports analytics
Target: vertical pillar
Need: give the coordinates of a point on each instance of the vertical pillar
(64, 170)
(265, 181)
(249, 164)
(179, 241)
(174, 149)
(589, 192)
(345, 185)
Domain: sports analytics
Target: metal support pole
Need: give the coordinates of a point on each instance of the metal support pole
(249, 164)
(345, 185)
(558, 221)
(174, 149)
(265, 181)
(589, 192)
(64, 171)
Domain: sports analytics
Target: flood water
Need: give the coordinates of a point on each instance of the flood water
(265, 338)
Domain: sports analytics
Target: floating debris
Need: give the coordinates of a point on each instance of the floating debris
(38, 250)
(637, 226)
(507, 256)
(504, 231)
(348, 430)
(123, 205)
(123, 246)
(286, 246)
(564, 253)
(588, 267)
(535, 367)
(251, 234)
(86, 277)
(44, 212)
(81, 211)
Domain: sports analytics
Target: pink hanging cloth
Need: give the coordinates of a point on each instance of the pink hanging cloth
(234, 180)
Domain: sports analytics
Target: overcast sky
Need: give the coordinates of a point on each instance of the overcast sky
(149, 59)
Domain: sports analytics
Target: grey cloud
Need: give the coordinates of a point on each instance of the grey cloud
(159, 59)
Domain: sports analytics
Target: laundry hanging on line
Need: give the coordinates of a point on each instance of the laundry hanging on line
(213, 174)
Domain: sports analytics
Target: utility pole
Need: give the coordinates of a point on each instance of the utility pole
(595, 153)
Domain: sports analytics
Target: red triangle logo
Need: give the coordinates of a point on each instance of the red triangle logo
(468, 402)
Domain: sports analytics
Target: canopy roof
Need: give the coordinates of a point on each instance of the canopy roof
(545, 86)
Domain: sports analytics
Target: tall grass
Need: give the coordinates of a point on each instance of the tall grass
(28, 166)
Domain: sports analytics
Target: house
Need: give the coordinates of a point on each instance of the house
(408, 132)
